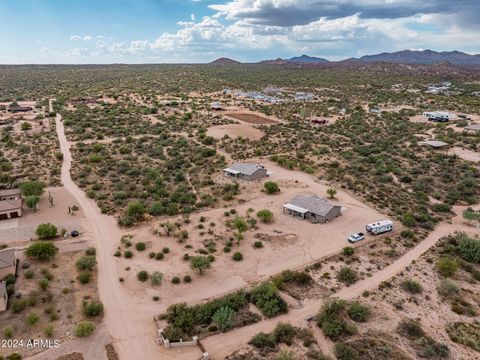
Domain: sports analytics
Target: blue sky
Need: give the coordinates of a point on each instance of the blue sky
(146, 31)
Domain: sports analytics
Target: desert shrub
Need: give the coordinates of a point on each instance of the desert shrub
(467, 334)
(176, 280)
(159, 256)
(46, 231)
(224, 318)
(91, 251)
(271, 187)
(237, 256)
(284, 333)
(411, 329)
(32, 318)
(136, 211)
(29, 274)
(358, 312)
(412, 286)
(348, 250)
(157, 278)
(142, 276)
(469, 249)
(18, 305)
(187, 279)
(200, 263)
(330, 319)
(86, 263)
(344, 351)
(258, 244)
(300, 278)
(84, 328)
(41, 250)
(128, 254)
(84, 278)
(140, 246)
(262, 340)
(431, 349)
(447, 266)
(265, 216)
(265, 296)
(92, 308)
(448, 288)
(165, 250)
(347, 275)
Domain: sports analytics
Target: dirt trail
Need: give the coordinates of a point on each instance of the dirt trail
(221, 345)
(126, 316)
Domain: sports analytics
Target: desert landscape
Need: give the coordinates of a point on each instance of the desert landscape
(288, 209)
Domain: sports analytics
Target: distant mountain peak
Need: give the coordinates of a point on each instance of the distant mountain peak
(307, 59)
(425, 57)
(224, 61)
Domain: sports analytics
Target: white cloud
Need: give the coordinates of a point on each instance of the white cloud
(79, 37)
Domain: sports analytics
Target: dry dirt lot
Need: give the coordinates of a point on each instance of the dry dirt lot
(235, 131)
(465, 154)
(251, 117)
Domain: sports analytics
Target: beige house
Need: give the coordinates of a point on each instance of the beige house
(3, 296)
(10, 204)
(8, 263)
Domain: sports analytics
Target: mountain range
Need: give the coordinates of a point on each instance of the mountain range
(426, 57)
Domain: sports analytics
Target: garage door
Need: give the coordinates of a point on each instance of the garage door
(3, 217)
(14, 215)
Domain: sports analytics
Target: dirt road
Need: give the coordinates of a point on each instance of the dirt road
(126, 316)
(221, 345)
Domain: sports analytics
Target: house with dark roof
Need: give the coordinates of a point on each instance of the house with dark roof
(8, 263)
(246, 171)
(312, 208)
(3, 296)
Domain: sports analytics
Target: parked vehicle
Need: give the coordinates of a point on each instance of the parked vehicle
(74, 233)
(380, 227)
(356, 237)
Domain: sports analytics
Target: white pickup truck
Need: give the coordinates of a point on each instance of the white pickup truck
(356, 237)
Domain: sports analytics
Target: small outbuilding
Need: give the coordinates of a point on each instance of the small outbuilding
(216, 105)
(434, 144)
(312, 208)
(8, 263)
(3, 296)
(10, 209)
(473, 128)
(246, 171)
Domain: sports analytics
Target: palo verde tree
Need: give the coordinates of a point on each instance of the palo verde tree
(199, 263)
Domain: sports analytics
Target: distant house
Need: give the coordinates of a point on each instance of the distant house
(473, 128)
(375, 110)
(434, 144)
(10, 194)
(315, 120)
(3, 296)
(312, 208)
(17, 109)
(303, 96)
(10, 209)
(246, 171)
(216, 105)
(8, 263)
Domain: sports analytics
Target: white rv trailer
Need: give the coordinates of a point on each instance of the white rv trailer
(380, 227)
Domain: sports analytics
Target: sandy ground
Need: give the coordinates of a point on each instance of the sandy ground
(465, 154)
(250, 117)
(235, 131)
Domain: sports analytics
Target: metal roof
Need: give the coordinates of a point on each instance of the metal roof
(243, 168)
(7, 205)
(434, 143)
(9, 192)
(380, 223)
(475, 127)
(295, 208)
(312, 203)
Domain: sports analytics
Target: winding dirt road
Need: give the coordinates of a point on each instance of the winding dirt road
(125, 315)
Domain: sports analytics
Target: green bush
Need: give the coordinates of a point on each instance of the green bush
(142, 276)
(92, 308)
(86, 263)
(224, 318)
(469, 249)
(347, 275)
(237, 256)
(265, 216)
(140, 246)
(84, 278)
(411, 329)
(448, 288)
(136, 211)
(265, 296)
(358, 312)
(32, 318)
(41, 250)
(262, 341)
(447, 266)
(348, 251)
(176, 280)
(344, 351)
(46, 231)
(412, 286)
(284, 333)
(84, 328)
(271, 187)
